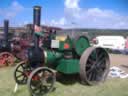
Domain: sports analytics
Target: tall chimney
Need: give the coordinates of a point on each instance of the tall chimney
(36, 21)
(6, 23)
(37, 15)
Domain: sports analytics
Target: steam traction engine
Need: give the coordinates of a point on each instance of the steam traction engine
(6, 57)
(12, 48)
(62, 54)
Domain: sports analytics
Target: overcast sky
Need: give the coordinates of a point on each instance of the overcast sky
(68, 13)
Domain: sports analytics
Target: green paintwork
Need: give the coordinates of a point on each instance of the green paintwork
(81, 45)
(40, 34)
(68, 66)
(52, 56)
(56, 57)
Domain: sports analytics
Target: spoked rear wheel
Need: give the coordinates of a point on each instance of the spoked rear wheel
(94, 66)
(41, 81)
(21, 73)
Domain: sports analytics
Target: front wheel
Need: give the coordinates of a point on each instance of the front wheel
(41, 81)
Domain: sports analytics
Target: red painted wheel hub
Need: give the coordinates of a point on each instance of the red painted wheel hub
(6, 59)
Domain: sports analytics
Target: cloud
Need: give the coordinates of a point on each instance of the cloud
(99, 18)
(60, 23)
(16, 5)
(91, 17)
(72, 4)
(12, 10)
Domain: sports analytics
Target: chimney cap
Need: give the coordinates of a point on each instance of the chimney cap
(37, 7)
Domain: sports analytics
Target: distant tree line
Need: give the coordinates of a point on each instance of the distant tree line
(96, 32)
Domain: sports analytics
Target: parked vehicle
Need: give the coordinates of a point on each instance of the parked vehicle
(110, 42)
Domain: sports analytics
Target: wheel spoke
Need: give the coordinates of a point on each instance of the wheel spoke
(89, 75)
(19, 76)
(101, 63)
(37, 87)
(94, 75)
(96, 52)
(24, 78)
(43, 89)
(19, 71)
(99, 74)
(101, 56)
(89, 70)
(36, 90)
(91, 57)
(22, 65)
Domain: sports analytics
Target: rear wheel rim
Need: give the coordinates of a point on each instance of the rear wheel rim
(94, 65)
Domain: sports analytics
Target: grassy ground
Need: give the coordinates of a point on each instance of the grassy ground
(112, 87)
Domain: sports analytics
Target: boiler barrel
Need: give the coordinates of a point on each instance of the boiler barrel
(51, 56)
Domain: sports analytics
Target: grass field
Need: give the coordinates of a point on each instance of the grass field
(112, 87)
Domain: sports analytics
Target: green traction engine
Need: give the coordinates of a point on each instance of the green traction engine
(60, 54)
